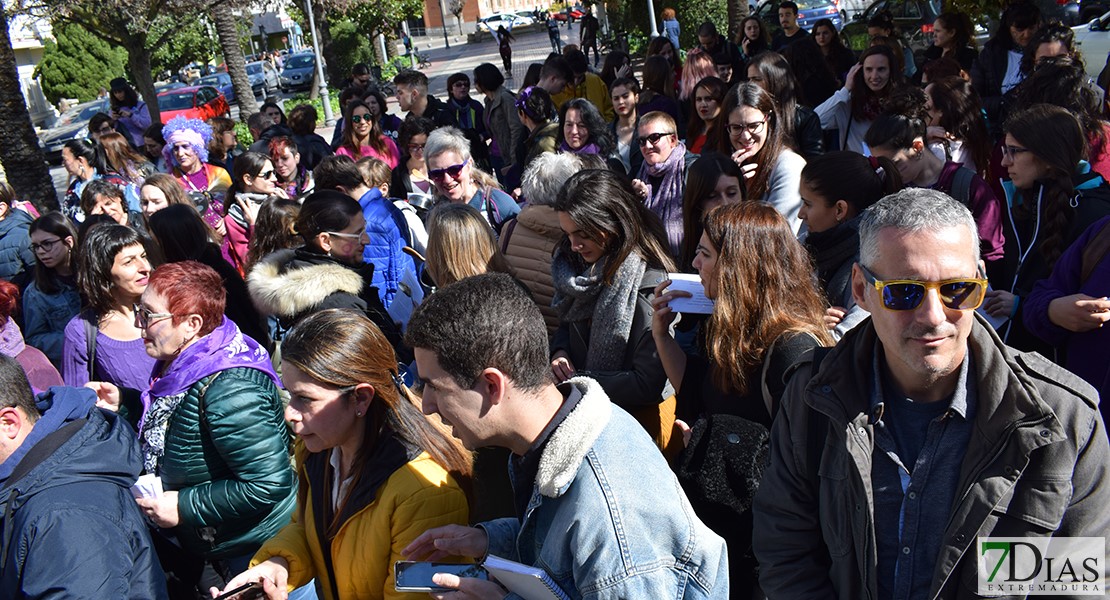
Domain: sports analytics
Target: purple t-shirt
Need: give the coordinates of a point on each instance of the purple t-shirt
(125, 364)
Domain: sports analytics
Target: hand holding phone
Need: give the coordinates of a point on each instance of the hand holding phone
(247, 591)
(411, 576)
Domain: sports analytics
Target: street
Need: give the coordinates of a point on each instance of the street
(529, 47)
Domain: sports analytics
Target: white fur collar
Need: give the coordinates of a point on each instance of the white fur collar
(570, 442)
(276, 290)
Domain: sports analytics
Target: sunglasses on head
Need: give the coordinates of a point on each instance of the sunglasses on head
(653, 138)
(908, 294)
(453, 171)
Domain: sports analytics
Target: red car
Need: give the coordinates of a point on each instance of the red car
(575, 12)
(198, 102)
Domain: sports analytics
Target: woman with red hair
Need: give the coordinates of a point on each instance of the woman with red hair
(210, 427)
(40, 373)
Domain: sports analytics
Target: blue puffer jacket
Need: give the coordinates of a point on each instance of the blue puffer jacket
(15, 244)
(387, 229)
(45, 317)
(71, 528)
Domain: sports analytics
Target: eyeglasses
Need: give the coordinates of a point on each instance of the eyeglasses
(356, 119)
(45, 246)
(356, 236)
(454, 171)
(144, 317)
(1011, 152)
(414, 148)
(653, 138)
(907, 294)
(751, 128)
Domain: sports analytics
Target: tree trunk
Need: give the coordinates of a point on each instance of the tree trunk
(331, 65)
(22, 158)
(227, 30)
(737, 12)
(138, 61)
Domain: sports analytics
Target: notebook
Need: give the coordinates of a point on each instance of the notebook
(527, 582)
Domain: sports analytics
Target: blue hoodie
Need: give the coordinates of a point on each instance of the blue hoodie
(70, 525)
(388, 231)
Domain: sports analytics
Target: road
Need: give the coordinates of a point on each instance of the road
(530, 47)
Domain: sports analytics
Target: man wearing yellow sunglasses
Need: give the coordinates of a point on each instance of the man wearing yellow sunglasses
(894, 453)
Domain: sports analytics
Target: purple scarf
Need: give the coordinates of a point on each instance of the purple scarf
(11, 339)
(666, 201)
(590, 148)
(225, 348)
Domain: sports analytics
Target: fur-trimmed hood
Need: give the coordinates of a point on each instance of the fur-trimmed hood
(573, 438)
(290, 282)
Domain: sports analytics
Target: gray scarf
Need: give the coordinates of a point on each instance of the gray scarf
(609, 308)
(152, 439)
(666, 200)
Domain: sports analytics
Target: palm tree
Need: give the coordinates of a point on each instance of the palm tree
(20, 153)
(227, 30)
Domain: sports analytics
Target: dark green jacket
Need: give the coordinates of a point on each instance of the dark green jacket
(229, 461)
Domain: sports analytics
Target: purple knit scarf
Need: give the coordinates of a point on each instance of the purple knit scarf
(587, 149)
(666, 201)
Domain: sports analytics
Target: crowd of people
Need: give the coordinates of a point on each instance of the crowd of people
(295, 363)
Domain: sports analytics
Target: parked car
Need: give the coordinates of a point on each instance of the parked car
(509, 20)
(299, 71)
(72, 124)
(1093, 43)
(220, 81)
(264, 78)
(913, 18)
(809, 12)
(1090, 10)
(195, 102)
(576, 13)
(170, 85)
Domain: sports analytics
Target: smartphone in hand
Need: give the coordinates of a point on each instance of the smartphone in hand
(410, 576)
(248, 591)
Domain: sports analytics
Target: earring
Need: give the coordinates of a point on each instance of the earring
(358, 413)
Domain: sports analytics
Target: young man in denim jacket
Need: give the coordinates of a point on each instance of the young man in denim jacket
(600, 510)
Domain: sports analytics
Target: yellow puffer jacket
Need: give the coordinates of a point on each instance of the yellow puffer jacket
(418, 496)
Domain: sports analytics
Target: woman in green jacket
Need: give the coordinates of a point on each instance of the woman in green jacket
(211, 429)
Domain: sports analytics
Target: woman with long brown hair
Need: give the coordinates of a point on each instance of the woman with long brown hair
(766, 313)
(362, 136)
(374, 471)
(460, 245)
(128, 164)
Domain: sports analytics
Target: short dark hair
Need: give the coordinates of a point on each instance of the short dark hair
(181, 233)
(100, 187)
(788, 4)
(302, 119)
(707, 28)
(455, 78)
(488, 77)
(97, 121)
(360, 69)
(411, 77)
(557, 66)
(337, 171)
(19, 395)
(481, 322)
(577, 61)
(98, 253)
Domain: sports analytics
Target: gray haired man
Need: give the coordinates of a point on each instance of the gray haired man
(921, 432)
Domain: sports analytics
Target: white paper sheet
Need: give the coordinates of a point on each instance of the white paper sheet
(698, 303)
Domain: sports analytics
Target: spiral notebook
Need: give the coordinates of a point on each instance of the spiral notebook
(527, 582)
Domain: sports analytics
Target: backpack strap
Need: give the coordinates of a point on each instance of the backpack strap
(90, 344)
(1096, 249)
(510, 225)
(961, 185)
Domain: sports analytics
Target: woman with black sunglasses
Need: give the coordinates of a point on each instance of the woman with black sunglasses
(362, 136)
(458, 180)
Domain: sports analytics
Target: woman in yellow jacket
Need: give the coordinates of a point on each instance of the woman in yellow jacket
(374, 471)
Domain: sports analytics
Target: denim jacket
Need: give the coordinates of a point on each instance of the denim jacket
(607, 518)
(45, 317)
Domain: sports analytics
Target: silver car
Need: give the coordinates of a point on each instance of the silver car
(264, 78)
